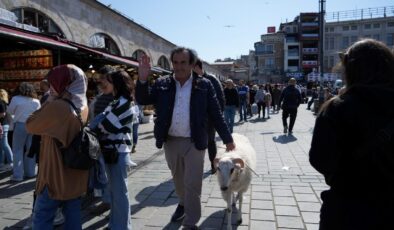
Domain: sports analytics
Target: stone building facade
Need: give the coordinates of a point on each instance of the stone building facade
(340, 35)
(270, 58)
(81, 21)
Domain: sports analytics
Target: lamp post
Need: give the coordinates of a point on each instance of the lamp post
(322, 11)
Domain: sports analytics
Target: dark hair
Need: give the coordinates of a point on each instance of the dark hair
(192, 54)
(368, 62)
(199, 63)
(107, 69)
(122, 83)
(27, 89)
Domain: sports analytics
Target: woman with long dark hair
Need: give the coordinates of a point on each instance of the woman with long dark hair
(116, 127)
(352, 144)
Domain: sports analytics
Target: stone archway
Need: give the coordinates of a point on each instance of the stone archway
(164, 63)
(138, 54)
(104, 42)
(36, 18)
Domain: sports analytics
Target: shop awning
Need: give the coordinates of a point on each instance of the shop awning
(110, 57)
(160, 70)
(25, 36)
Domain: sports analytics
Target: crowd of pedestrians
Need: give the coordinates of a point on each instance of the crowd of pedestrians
(190, 107)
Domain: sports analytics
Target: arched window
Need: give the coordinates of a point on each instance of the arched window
(163, 63)
(37, 19)
(104, 42)
(138, 54)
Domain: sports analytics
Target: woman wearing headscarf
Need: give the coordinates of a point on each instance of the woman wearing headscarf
(21, 107)
(116, 127)
(57, 121)
(353, 144)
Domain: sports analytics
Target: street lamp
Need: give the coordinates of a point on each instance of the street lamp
(322, 11)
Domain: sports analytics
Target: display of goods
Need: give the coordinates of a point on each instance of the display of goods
(27, 62)
(36, 74)
(28, 53)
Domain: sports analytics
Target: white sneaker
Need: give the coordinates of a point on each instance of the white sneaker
(132, 163)
(59, 217)
(29, 223)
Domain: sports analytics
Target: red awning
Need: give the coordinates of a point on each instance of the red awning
(111, 57)
(22, 35)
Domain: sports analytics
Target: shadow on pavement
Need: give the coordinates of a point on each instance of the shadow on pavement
(284, 139)
(161, 195)
(173, 226)
(147, 137)
(218, 220)
(267, 133)
(146, 132)
(13, 189)
(4, 175)
(97, 225)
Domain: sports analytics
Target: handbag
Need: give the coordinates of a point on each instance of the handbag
(254, 108)
(83, 150)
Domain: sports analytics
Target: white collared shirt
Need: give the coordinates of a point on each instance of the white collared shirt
(180, 123)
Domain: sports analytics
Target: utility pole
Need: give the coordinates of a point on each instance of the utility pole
(322, 12)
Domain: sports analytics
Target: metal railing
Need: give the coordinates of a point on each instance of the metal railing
(360, 14)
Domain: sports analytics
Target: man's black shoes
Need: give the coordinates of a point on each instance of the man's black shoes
(179, 214)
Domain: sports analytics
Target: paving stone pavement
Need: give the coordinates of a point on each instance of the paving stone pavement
(285, 195)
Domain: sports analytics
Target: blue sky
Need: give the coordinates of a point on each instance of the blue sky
(217, 29)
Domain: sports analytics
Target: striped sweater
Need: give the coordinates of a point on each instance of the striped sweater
(116, 125)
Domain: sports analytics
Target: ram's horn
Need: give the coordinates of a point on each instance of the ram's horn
(239, 161)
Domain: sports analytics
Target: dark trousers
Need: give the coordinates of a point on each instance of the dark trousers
(285, 115)
(212, 149)
(310, 103)
(261, 105)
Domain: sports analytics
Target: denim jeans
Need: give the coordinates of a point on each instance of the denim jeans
(21, 141)
(135, 133)
(45, 209)
(119, 194)
(229, 115)
(5, 148)
(242, 110)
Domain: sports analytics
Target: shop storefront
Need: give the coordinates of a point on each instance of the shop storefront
(27, 56)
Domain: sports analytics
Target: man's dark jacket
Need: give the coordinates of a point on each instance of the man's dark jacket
(218, 89)
(291, 98)
(203, 105)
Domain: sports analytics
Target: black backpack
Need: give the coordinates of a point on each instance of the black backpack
(83, 150)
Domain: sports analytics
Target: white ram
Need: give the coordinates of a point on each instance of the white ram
(234, 171)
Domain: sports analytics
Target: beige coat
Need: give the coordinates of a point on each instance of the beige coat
(56, 120)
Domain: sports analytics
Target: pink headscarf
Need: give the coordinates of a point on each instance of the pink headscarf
(72, 79)
(59, 77)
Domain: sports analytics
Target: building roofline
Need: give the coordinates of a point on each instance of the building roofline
(360, 14)
(131, 20)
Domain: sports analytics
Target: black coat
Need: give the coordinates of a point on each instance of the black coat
(291, 98)
(218, 89)
(203, 106)
(360, 174)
